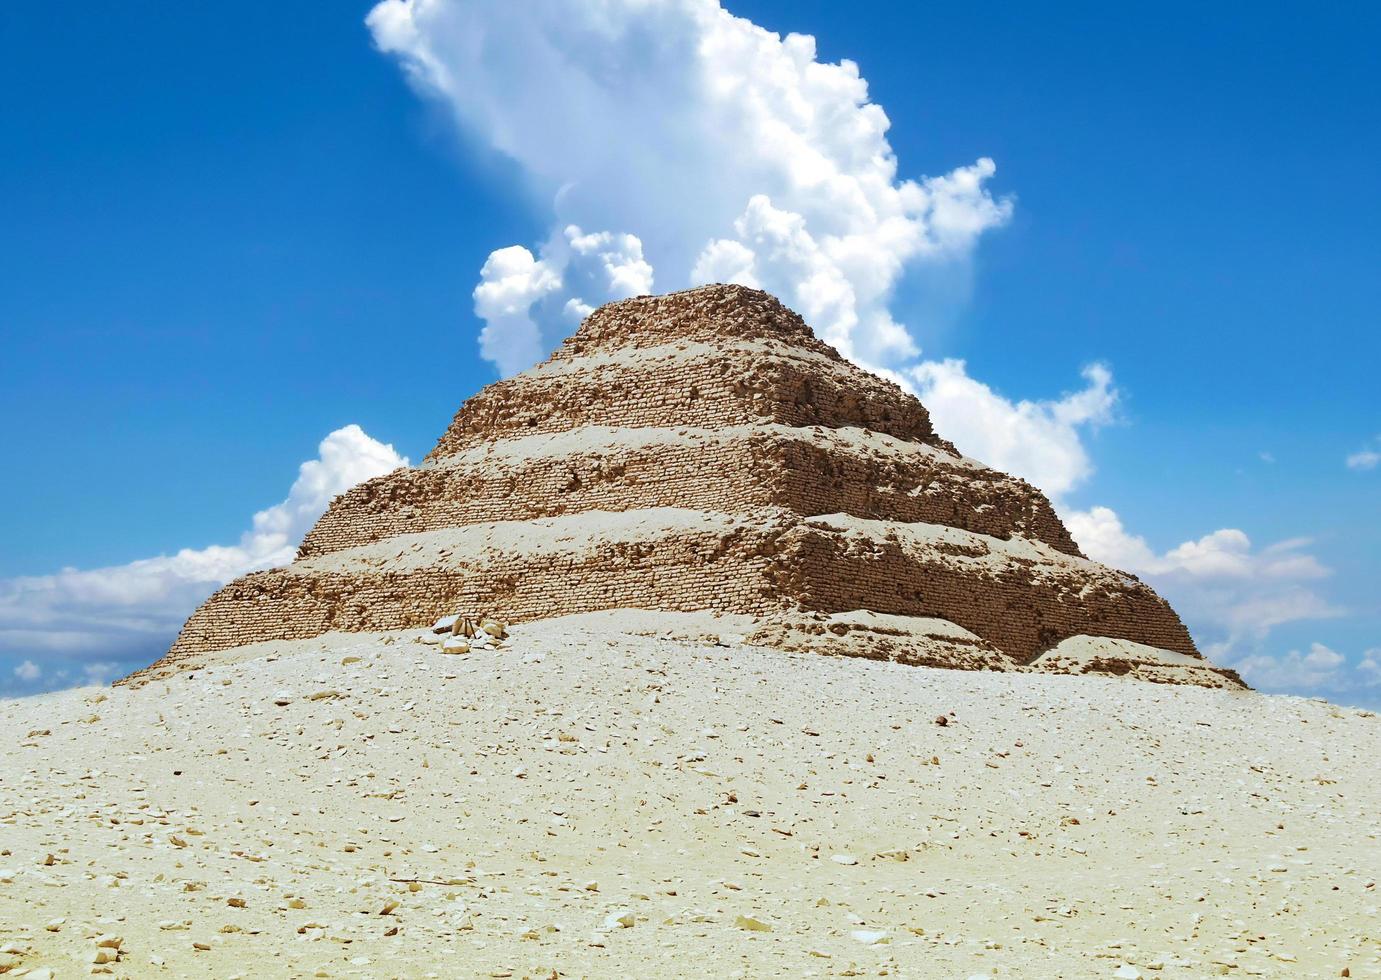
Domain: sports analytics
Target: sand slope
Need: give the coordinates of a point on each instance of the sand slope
(301, 812)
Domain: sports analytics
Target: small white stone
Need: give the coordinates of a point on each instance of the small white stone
(871, 937)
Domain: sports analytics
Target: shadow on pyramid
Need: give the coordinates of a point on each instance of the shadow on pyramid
(703, 452)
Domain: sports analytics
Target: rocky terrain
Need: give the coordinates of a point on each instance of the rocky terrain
(647, 795)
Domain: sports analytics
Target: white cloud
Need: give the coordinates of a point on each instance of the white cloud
(725, 151)
(101, 672)
(1231, 593)
(1366, 458)
(1040, 441)
(511, 281)
(528, 304)
(28, 671)
(1224, 555)
(1320, 668)
(1369, 667)
(102, 615)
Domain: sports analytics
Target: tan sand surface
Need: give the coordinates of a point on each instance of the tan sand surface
(601, 798)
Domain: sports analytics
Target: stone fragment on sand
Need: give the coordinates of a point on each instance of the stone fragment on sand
(751, 924)
(871, 937)
(620, 919)
(495, 629)
(455, 645)
(845, 859)
(444, 624)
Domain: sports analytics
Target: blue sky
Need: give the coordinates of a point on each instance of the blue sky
(232, 231)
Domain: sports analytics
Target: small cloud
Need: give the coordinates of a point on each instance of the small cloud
(1040, 441)
(1364, 459)
(1319, 667)
(1266, 457)
(1370, 667)
(1230, 592)
(28, 671)
(101, 673)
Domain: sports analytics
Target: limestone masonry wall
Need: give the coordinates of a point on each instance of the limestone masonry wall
(710, 402)
(734, 387)
(682, 572)
(1020, 609)
(802, 472)
(1020, 613)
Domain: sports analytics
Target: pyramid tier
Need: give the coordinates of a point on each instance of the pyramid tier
(1021, 596)
(688, 383)
(1018, 596)
(712, 315)
(736, 469)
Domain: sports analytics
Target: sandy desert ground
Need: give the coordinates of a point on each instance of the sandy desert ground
(590, 802)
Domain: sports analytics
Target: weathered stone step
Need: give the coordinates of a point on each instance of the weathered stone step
(809, 471)
(1018, 596)
(704, 385)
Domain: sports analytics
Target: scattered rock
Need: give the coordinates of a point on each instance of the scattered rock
(444, 625)
(751, 924)
(871, 937)
(495, 629)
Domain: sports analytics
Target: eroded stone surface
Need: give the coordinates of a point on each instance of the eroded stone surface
(704, 451)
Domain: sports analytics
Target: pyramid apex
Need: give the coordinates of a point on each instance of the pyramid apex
(718, 311)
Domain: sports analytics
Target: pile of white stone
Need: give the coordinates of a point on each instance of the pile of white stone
(461, 633)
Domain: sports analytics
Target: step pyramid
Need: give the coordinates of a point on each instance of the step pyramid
(704, 452)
